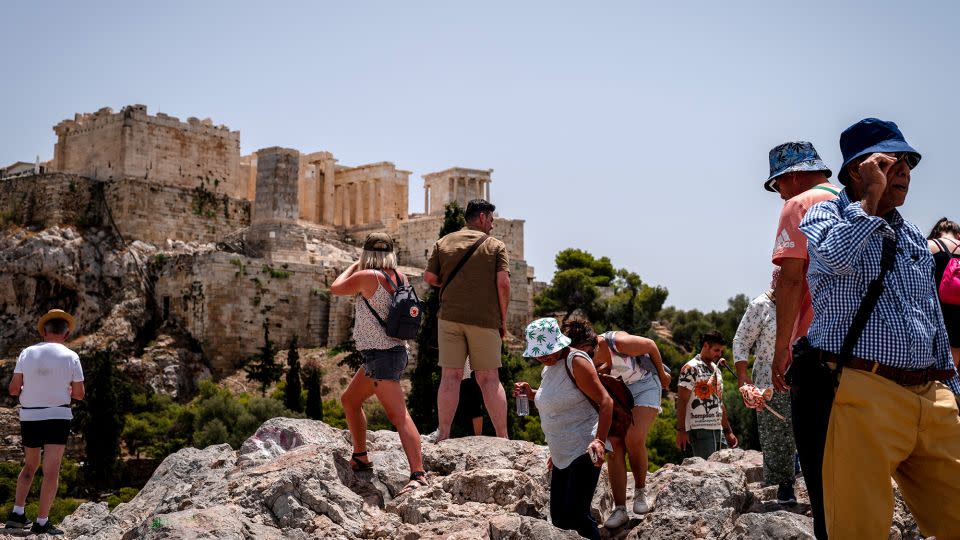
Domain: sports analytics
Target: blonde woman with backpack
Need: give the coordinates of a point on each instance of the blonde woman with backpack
(384, 357)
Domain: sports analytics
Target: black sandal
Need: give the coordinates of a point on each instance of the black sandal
(417, 479)
(358, 465)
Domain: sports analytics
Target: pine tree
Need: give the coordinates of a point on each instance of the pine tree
(264, 369)
(425, 378)
(314, 383)
(291, 397)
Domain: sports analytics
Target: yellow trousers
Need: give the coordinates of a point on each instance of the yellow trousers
(878, 430)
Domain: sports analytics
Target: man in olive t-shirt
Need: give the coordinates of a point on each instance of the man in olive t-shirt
(473, 314)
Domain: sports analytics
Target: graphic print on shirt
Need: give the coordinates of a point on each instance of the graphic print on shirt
(784, 241)
(704, 411)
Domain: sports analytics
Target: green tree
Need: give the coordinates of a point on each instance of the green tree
(353, 359)
(314, 383)
(264, 369)
(425, 378)
(291, 397)
(100, 418)
(633, 305)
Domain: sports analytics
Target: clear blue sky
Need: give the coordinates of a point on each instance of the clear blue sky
(634, 130)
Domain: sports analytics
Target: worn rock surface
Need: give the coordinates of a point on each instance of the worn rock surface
(293, 480)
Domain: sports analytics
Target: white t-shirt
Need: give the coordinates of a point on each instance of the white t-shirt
(705, 408)
(48, 369)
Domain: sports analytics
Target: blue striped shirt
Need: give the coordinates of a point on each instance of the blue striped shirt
(906, 329)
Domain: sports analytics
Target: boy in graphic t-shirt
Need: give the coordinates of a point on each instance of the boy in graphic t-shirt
(47, 378)
(701, 416)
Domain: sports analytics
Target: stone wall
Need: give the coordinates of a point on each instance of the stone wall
(141, 210)
(47, 200)
(161, 149)
(416, 236)
(370, 194)
(223, 300)
(146, 211)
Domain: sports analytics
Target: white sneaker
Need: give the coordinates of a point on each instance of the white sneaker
(618, 518)
(640, 505)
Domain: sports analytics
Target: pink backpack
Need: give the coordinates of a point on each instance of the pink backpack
(950, 282)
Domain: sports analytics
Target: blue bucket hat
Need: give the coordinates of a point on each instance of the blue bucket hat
(870, 136)
(792, 157)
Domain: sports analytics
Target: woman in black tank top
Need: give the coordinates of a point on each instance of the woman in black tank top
(944, 243)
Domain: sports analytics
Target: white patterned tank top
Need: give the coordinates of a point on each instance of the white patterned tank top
(367, 331)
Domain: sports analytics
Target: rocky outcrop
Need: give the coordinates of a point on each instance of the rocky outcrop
(292, 479)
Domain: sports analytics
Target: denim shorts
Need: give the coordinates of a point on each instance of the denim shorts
(646, 392)
(385, 364)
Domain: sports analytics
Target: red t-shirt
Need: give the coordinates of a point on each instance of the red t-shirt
(792, 244)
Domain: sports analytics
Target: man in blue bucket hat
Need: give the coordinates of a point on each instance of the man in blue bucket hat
(879, 346)
(800, 177)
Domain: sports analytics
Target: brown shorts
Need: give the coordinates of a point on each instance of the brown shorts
(457, 341)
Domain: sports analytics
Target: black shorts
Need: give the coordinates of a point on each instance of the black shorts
(37, 433)
(385, 364)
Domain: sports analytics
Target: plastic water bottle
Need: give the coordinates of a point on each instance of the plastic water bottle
(523, 405)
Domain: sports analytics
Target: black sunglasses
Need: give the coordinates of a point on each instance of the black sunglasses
(910, 158)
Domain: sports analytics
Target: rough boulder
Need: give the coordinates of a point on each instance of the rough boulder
(293, 480)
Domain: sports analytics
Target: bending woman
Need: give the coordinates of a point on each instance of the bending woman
(384, 357)
(637, 361)
(575, 414)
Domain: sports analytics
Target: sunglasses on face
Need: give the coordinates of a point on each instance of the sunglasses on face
(910, 159)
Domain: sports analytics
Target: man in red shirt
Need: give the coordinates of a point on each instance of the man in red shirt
(800, 177)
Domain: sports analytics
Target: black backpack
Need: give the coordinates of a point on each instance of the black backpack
(406, 310)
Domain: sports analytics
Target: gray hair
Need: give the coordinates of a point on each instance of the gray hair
(56, 327)
(378, 260)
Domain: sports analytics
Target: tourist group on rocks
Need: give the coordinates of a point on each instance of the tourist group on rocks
(855, 344)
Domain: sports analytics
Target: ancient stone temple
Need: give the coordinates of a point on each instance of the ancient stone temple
(269, 231)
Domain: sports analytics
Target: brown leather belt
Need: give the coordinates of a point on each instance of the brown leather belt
(903, 377)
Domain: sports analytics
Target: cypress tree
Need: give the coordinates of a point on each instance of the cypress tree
(264, 369)
(314, 383)
(100, 419)
(291, 397)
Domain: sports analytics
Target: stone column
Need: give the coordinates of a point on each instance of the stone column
(426, 199)
(372, 200)
(277, 185)
(452, 190)
(356, 205)
(378, 198)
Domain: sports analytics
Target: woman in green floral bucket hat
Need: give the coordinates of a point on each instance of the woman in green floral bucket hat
(575, 431)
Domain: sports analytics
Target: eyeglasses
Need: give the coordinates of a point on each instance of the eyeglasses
(909, 158)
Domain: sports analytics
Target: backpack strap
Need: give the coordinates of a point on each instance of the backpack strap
(463, 261)
(825, 188)
(373, 311)
(390, 281)
(943, 247)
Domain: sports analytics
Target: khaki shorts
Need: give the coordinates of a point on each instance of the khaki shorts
(457, 341)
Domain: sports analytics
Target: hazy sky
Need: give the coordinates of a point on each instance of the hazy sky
(634, 130)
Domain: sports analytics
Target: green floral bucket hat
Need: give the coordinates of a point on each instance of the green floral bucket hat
(544, 338)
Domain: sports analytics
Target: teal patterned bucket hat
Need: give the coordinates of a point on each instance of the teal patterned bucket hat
(792, 157)
(544, 338)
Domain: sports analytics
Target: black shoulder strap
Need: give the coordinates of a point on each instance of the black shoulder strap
(888, 257)
(373, 311)
(461, 262)
(943, 247)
